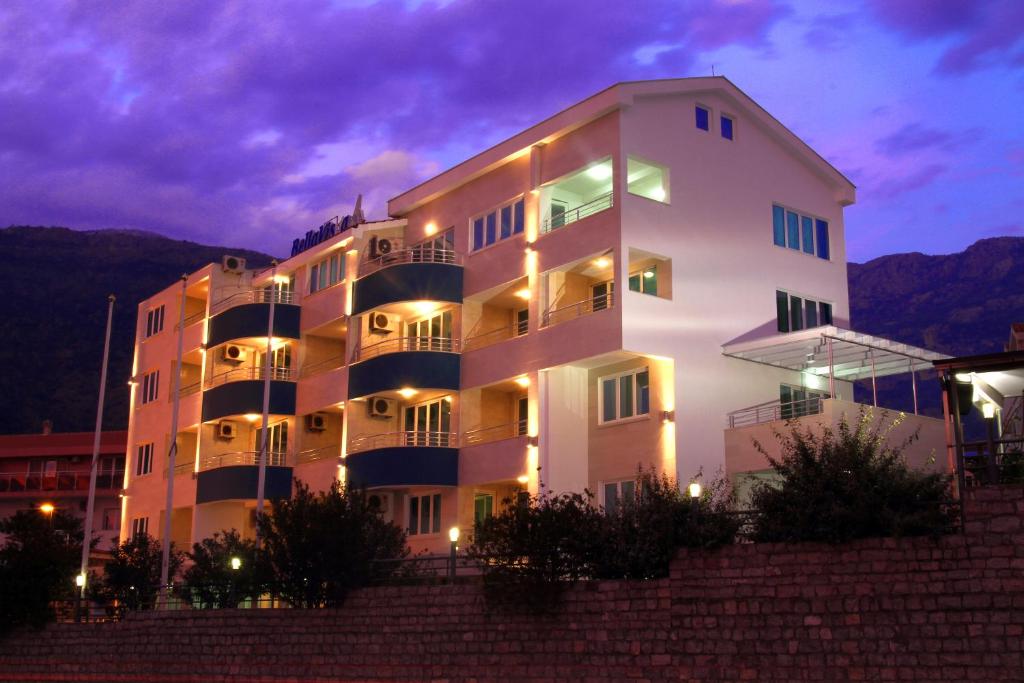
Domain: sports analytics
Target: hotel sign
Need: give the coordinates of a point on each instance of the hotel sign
(329, 229)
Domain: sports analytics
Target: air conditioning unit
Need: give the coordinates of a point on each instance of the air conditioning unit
(316, 422)
(380, 323)
(382, 502)
(381, 407)
(232, 353)
(227, 430)
(233, 264)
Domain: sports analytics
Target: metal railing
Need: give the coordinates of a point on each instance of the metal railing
(253, 296)
(190, 389)
(192, 319)
(553, 316)
(59, 481)
(770, 411)
(484, 339)
(509, 430)
(320, 367)
(248, 373)
(576, 213)
(417, 254)
(209, 462)
(314, 454)
(999, 461)
(395, 439)
(399, 344)
(183, 468)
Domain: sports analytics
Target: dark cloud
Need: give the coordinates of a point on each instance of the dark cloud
(916, 137)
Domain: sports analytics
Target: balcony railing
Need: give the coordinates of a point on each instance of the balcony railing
(775, 410)
(253, 296)
(190, 389)
(399, 344)
(484, 339)
(59, 481)
(248, 373)
(553, 316)
(1006, 467)
(192, 319)
(314, 454)
(497, 433)
(320, 367)
(582, 211)
(209, 462)
(182, 468)
(397, 439)
(418, 254)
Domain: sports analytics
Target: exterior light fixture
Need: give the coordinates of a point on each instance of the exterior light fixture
(282, 279)
(407, 392)
(430, 228)
(453, 534)
(963, 377)
(529, 247)
(47, 508)
(602, 262)
(80, 580)
(236, 563)
(523, 381)
(523, 293)
(988, 410)
(600, 171)
(252, 417)
(531, 441)
(668, 416)
(695, 489)
(424, 307)
(523, 479)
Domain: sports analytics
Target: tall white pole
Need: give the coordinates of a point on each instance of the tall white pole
(261, 482)
(165, 562)
(91, 504)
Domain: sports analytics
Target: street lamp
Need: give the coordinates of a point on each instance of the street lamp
(236, 563)
(453, 536)
(47, 509)
(695, 489)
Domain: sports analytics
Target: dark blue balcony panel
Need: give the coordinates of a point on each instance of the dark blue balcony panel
(404, 466)
(250, 320)
(240, 482)
(408, 282)
(417, 369)
(239, 398)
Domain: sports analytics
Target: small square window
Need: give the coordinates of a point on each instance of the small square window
(726, 127)
(703, 118)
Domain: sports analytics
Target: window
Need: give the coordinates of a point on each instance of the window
(436, 249)
(144, 459)
(425, 514)
(796, 313)
(433, 333)
(522, 415)
(522, 322)
(602, 295)
(646, 180)
(799, 401)
(624, 395)
(150, 386)
(280, 362)
(703, 118)
(330, 271)
(483, 507)
(140, 526)
(726, 126)
(645, 281)
(618, 493)
(277, 443)
(111, 519)
(486, 229)
(800, 232)
(429, 424)
(154, 321)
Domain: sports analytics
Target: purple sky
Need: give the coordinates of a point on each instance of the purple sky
(246, 124)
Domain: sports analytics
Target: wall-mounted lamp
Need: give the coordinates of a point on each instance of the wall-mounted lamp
(532, 441)
(523, 479)
(530, 247)
(668, 416)
(988, 410)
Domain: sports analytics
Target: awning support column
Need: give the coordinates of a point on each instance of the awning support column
(874, 384)
(913, 382)
(831, 370)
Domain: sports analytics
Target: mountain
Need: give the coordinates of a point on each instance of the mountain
(53, 310)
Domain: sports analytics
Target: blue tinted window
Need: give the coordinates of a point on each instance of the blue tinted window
(506, 222)
(727, 128)
(807, 228)
(703, 118)
(822, 229)
(517, 222)
(810, 313)
(782, 310)
(796, 313)
(793, 230)
(825, 313)
(478, 233)
(779, 225)
(491, 222)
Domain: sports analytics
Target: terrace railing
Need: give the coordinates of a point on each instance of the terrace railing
(403, 439)
(771, 411)
(417, 254)
(259, 295)
(399, 344)
(62, 480)
(249, 373)
(576, 213)
(213, 461)
(553, 316)
(314, 454)
(483, 435)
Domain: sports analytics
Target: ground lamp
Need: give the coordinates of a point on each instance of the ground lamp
(453, 536)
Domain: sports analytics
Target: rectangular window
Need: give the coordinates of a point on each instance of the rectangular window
(792, 230)
(522, 322)
(646, 180)
(483, 507)
(491, 233)
(144, 459)
(645, 281)
(518, 220)
(782, 310)
(624, 395)
(506, 222)
(617, 493)
(810, 313)
(822, 230)
(825, 313)
(601, 295)
(800, 232)
(807, 233)
(779, 226)
(499, 224)
(425, 514)
(111, 519)
(140, 526)
(726, 123)
(150, 386)
(478, 234)
(327, 272)
(799, 401)
(703, 118)
(797, 313)
(522, 415)
(154, 321)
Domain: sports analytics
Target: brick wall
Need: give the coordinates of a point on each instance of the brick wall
(892, 610)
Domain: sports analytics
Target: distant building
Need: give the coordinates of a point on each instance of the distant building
(47, 468)
(651, 277)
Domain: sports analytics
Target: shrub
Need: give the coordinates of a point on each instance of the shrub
(132, 575)
(849, 483)
(319, 546)
(536, 546)
(211, 581)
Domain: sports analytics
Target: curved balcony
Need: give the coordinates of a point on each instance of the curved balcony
(246, 314)
(422, 362)
(240, 391)
(235, 476)
(403, 459)
(413, 274)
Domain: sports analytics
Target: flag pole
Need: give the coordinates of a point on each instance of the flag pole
(91, 504)
(165, 561)
(261, 481)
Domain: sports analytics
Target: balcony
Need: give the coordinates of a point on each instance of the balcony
(249, 373)
(389, 365)
(771, 411)
(576, 196)
(60, 481)
(417, 254)
(411, 458)
(317, 454)
(575, 213)
(212, 461)
(578, 309)
(511, 430)
(413, 274)
(402, 344)
(240, 391)
(403, 440)
(247, 313)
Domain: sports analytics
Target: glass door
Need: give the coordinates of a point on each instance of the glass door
(277, 443)
(428, 424)
(431, 334)
(280, 362)
(602, 295)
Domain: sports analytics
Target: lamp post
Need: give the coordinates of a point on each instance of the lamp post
(236, 563)
(47, 509)
(453, 536)
(988, 411)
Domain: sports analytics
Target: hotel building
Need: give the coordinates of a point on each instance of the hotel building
(650, 278)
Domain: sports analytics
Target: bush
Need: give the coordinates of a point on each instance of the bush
(38, 563)
(132, 575)
(536, 546)
(211, 582)
(320, 546)
(850, 483)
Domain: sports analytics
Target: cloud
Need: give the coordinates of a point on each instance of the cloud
(916, 137)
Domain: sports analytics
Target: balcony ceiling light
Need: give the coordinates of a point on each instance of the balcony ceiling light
(523, 381)
(600, 171)
(424, 307)
(523, 479)
(430, 228)
(602, 262)
(523, 293)
(252, 417)
(407, 392)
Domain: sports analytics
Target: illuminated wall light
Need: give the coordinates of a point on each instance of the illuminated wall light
(523, 479)
(282, 279)
(523, 293)
(447, 399)
(988, 410)
(407, 392)
(668, 416)
(252, 417)
(602, 262)
(523, 381)
(601, 171)
(529, 247)
(430, 228)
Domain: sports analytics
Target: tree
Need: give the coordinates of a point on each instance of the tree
(837, 485)
(213, 581)
(319, 546)
(132, 575)
(38, 563)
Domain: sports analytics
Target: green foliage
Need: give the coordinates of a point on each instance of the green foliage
(38, 563)
(849, 483)
(132, 575)
(211, 582)
(320, 546)
(537, 545)
(640, 537)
